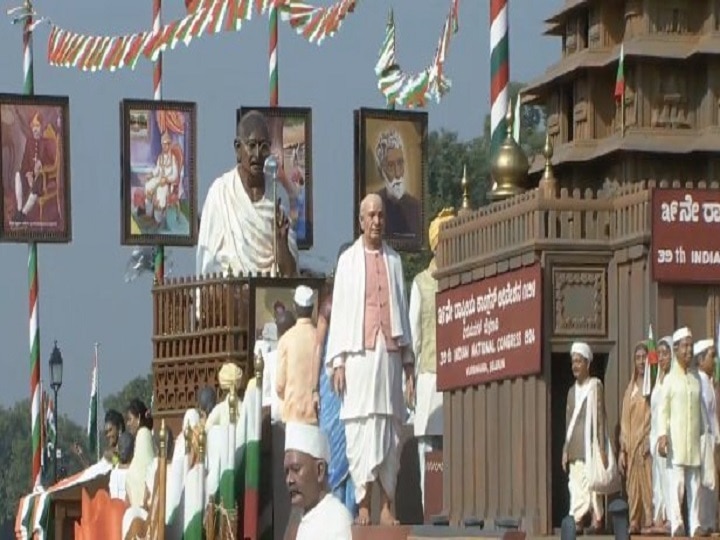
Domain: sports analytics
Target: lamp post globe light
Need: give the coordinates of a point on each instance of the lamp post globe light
(56, 374)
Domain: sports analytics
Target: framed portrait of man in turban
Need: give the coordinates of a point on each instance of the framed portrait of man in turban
(35, 169)
(391, 161)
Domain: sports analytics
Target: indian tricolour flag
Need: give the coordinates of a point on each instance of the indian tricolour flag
(92, 429)
(620, 78)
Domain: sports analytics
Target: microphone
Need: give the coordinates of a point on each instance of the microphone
(270, 168)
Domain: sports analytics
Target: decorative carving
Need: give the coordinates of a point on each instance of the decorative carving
(595, 28)
(553, 119)
(672, 19)
(580, 110)
(670, 104)
(571, 44)
(580, 301)
(633, 18)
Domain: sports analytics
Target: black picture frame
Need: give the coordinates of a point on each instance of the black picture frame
(305, 241)
(413, 125)
(55, 179)
(288, 285)
(131, 126)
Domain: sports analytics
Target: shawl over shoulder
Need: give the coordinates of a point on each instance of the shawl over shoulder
(346, 331)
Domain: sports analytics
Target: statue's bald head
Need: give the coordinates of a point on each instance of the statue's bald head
(371, 200)
(372, 220)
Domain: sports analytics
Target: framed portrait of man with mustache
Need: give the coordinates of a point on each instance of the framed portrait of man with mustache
(391, 161)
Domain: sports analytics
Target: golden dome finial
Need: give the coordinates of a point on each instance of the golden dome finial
(548, 183)
(509, 166)
(464, 184)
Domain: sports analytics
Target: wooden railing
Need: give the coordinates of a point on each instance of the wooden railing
(606, 219)
(198, 324)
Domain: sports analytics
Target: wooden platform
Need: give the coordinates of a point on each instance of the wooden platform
(379, 532)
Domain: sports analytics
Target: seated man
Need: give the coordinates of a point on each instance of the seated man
(236, 228)
(158, 183)
(307, 454)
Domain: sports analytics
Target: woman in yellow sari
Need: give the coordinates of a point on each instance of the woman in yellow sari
(635, 460)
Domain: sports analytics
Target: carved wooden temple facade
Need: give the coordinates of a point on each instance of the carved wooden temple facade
(585, 217)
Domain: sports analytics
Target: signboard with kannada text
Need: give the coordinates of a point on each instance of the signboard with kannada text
(686, 235)
(490, 330)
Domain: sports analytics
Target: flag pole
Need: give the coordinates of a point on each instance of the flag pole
(97, 406)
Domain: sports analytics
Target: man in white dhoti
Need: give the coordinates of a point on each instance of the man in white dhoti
(163, 177)
(583, 502)
(306, 464)
(679, 439)
(236, 227)
(660, 470)
(704, 353)
(228, 376)
(369, 345)
(428, 423)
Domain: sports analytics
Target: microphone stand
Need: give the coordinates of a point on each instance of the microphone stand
(270, 168)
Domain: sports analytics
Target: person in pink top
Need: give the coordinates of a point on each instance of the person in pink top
(369, 347)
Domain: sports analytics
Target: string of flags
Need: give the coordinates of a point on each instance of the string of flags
(203, 17)
(414, 90)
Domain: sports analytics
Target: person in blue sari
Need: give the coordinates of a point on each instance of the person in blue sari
(341, 485)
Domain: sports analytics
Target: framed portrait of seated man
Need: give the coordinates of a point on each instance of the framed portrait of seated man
(391, 161)
(159, 172)
(35, 169)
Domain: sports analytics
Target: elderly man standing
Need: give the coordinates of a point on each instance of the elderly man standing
(423, 316)
(680, 430)
(236, 228)
(306, 464)
(402, 210)
(369, 344)
(297, 372)
(583, 502)
(704, 353)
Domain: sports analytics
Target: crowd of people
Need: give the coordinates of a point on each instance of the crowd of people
(668, 439)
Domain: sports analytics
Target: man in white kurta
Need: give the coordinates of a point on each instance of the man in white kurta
(660, 470)
(165, 175)
(369, 346)
(704, 353)
(307, 453)
(680, 430)
(428, 424)
(236, 226)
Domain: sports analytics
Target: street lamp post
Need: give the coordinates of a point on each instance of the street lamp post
(56, 374)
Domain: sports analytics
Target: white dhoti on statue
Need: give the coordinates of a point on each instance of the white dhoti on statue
(372, 411)
(660, 475)
(582, 500)
(683, 481)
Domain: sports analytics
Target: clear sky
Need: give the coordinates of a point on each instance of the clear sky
(83, 298)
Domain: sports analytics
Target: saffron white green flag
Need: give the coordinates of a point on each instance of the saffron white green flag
(92, 430)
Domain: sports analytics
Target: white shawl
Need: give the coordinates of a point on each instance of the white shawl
(346, 334)
(235, 232)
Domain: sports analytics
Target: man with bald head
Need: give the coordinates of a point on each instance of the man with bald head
(236, 229)
(369, 347)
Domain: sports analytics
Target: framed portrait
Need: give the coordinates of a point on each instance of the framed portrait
(271, 296)
(291, 142)
(159, 173)
(391, 160)
(35, 169)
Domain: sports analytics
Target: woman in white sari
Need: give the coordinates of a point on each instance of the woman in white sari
(139, 422)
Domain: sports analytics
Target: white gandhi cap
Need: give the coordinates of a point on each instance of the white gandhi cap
(702, 346)
(304, 296)
(308, 440)
(583, 349)
(681, 334)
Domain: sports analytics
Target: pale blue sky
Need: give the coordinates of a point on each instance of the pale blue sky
(83, 297)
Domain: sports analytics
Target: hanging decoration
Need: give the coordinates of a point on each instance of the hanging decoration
(414, 90)
(316, 23)
(204, 17)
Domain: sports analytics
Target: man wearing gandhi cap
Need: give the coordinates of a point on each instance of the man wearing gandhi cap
(704, 353)
(163, 177)
(680, 430)
(297, 370)
(583, 502)
(306, 463)
(429, 402)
